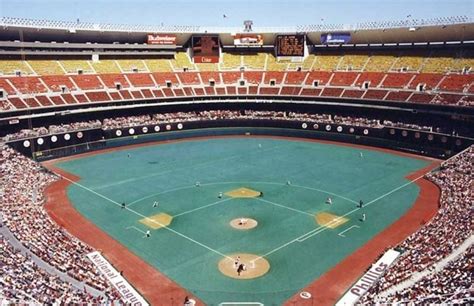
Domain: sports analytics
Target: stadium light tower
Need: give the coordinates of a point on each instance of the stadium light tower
(248, 25)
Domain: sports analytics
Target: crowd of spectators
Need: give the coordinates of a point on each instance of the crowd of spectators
(437, 239)
(22, 183)
(23, 281)
(450, 285)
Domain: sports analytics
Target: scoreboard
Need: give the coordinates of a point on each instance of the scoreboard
(290, 45)
(205, 49)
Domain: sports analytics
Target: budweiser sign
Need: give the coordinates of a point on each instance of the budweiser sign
(161, 39)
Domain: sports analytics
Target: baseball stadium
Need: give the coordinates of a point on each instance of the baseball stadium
(250, 162)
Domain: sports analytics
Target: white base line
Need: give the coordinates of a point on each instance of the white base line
(285, 207)
(341, 233)
(137, 229)
(321, 229)
(202, 207)
(145, 217)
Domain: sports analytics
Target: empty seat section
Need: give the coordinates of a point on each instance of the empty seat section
(344, 78)
(374, 78)
(163, 77)
(274, 65)
(460, 64)
(375, 94)
(447, 99)
(353, 62)
(207, 77)
(105, 66)
(313, 92)
(207, 67)
(97, 96)
(57, 82)
(182, 61)
(269, 91)
(421, 98)
(129, 65)
(326, 62)
(331, 92)
(6, 87)
(409, 62)
(322, 77)
(31, 102)
(398, 95)
(290, 90)
(230, 61)
(115, 95)
(352, 93)
(199, 91)
(380, 63)
(220, 91)
(231, 77)
(48, 67)
(111, 80)
(28, 85)
(255, 61)
(17, 102)
(140, 79)
(81, 98)
(295, 77)
(456, 82)
(136, 94)
(274, 76)
(158, 65)
(397, 80)
(253, 77)
(438, 64)
(73, 66)
(178, 92)
(189, 78)
(86, 81)
(10, 67)
(305, 65)
(429, 79)
(68, 98)
(58, 100)
(44, 100)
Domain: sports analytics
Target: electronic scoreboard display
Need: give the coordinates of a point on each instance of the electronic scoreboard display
(289, 45)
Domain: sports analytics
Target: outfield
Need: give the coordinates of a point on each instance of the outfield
(288, 235)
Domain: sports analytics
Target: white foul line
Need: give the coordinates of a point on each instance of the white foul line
(341, 233)
(147, 218)
(322, 229)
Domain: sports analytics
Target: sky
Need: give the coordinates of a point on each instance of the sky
(210, 12)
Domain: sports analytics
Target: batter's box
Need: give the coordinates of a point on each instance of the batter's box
(243, 193)
(157, 221)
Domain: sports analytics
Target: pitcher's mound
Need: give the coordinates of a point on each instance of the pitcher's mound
(254, 266)
(243, 223)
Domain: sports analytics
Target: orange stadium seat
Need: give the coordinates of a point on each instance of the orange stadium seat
(112, 79)
(295, 77)
(209, 76)
(254, 77)
(57, 82)
(456, 82)
(344, 78)
(87, 81)
(140, 79)
(374, 94)
(398, 95)
(332, 92)
(322, 77)
(430, 80)
(162, 78)
(28, 85)
(189, 78)
(231, 77)
(274, 76)
(353, 93)
(397, 80)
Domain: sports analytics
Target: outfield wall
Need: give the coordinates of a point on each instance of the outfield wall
(414, 141)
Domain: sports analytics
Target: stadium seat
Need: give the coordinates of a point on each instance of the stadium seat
(189, 78)
(353, 62)
(379, 63)
(27, 85)
(373, 78)
(47, 67)
(60, 100)
(209, 76)
(97, 96)
(111, 80)
(57, 82)
(456, 82)
(430, 80)
(353, 93)
(162, 78)
(373, 94)
(397, 80)
(87, 81)
(322, 77)
(230, 61)
(231, 77)
(274, 76)
(274, 65)
(326, 62)
(253, 77)
(182, 61)
(409, 62)
(295, 77)
(105, 66)
(140, 79)
(343, 78)
(255, 61)
(10, 67)
(73, 66)
(398, 95)
(130, 65)
(158, 65)
(331, 92)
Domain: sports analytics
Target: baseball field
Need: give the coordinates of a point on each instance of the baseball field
(286, 210)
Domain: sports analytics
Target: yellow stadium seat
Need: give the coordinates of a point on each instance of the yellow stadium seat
(230, 61)
(45, 67)
(9, 67)
(158, 65)
(379, 63)
(106, 66)
(72, 66)
(128, 65)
